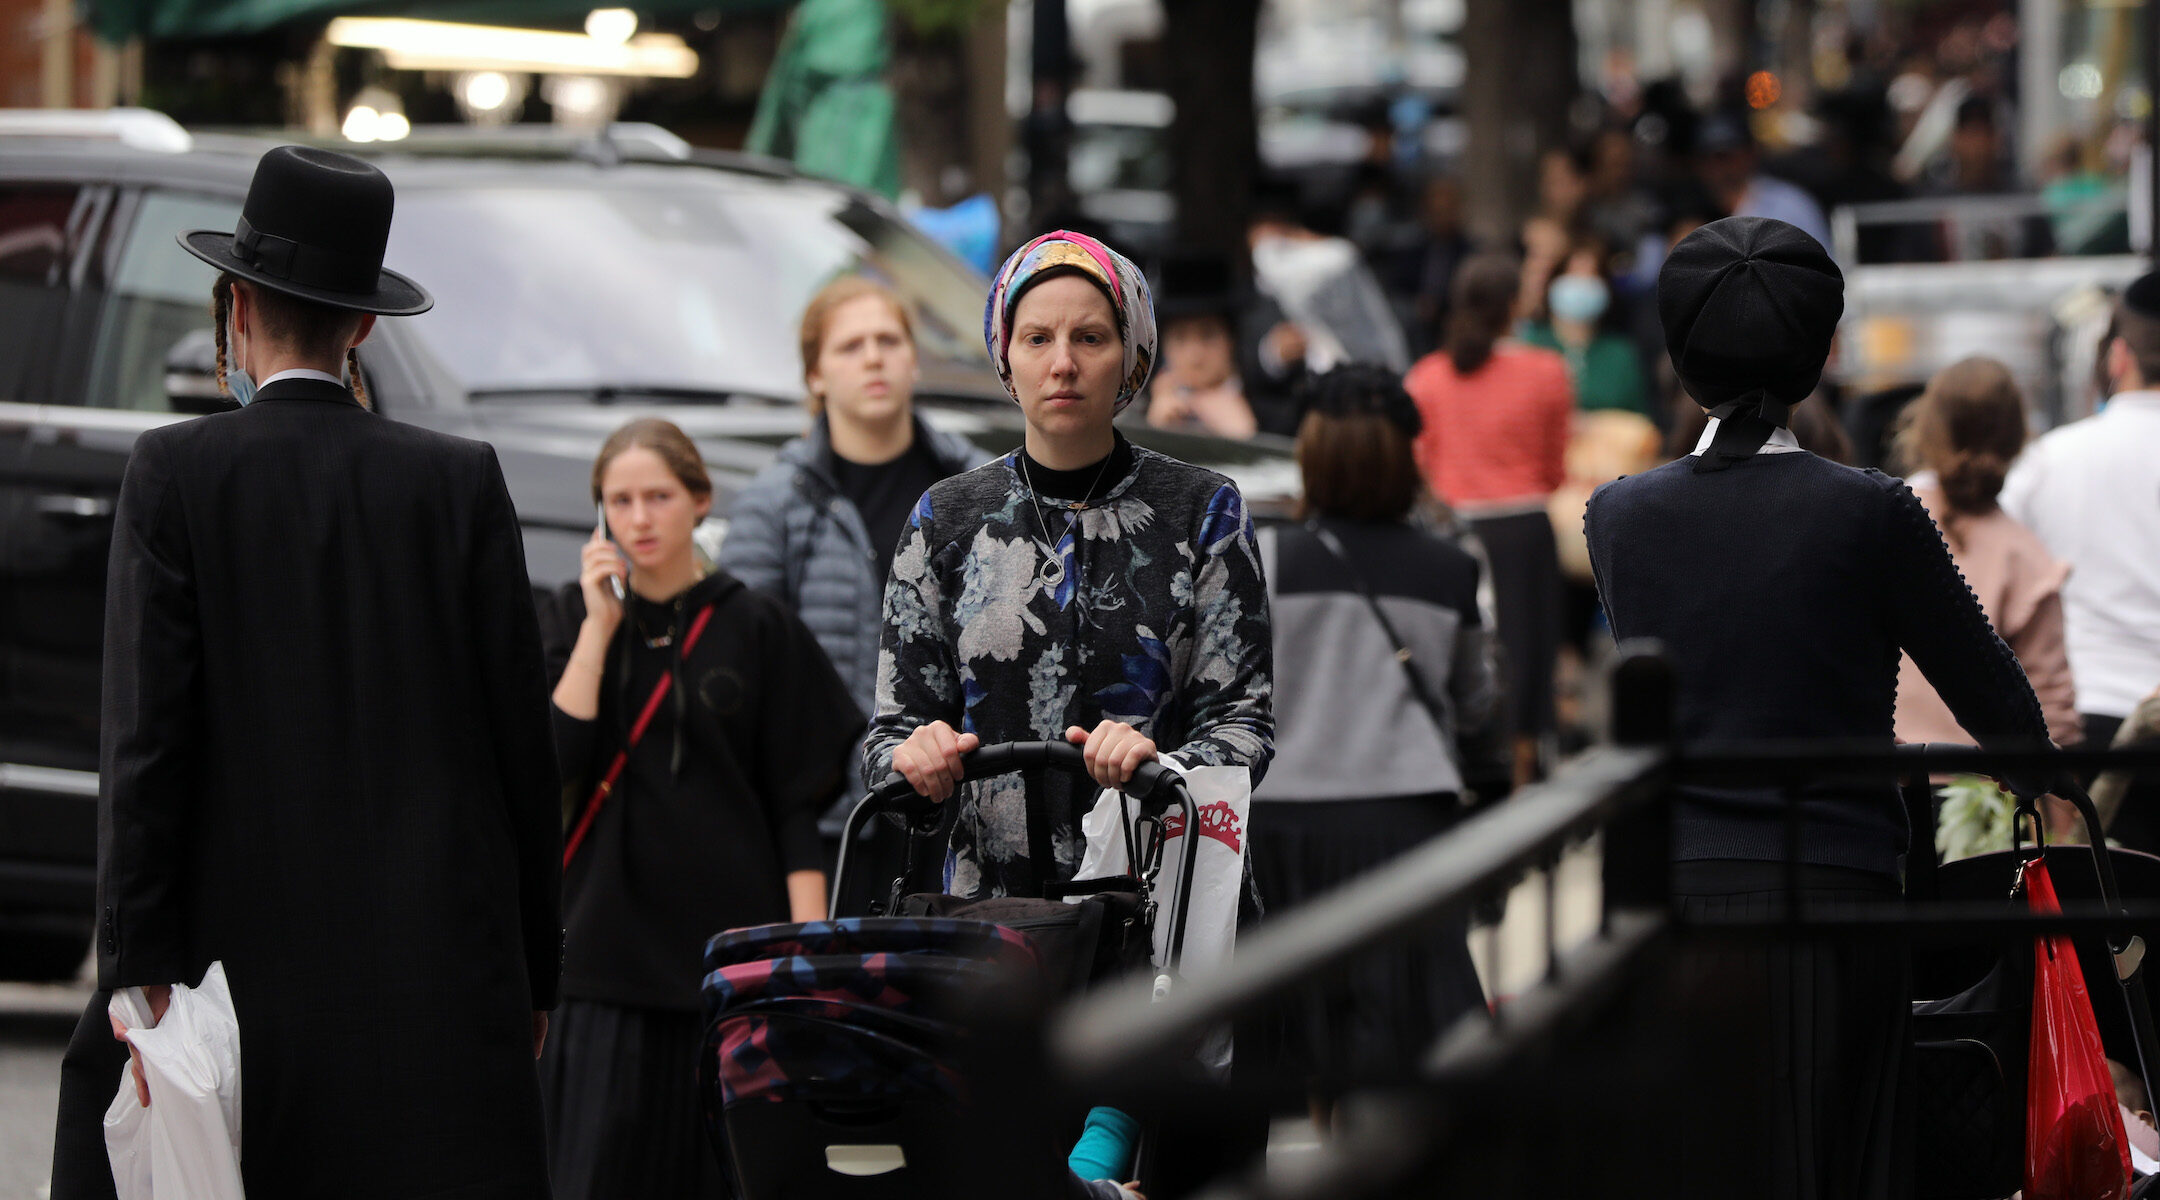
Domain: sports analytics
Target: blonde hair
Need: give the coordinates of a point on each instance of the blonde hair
(818, 314)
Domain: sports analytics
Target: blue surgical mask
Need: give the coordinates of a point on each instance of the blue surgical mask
(1578, 298)
(238, 383)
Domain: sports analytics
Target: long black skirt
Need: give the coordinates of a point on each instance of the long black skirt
(624, 1119)
(1527, 600)
(1372, 1022)
(1795, 1049)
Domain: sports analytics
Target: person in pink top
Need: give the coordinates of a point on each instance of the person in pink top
(1960, 438)
(1496, 416)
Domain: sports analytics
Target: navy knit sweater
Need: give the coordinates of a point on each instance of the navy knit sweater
(1783, 589)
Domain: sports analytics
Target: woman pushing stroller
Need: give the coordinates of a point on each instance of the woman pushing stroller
(1079, 588)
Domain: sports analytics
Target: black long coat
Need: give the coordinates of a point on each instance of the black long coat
(327, 762)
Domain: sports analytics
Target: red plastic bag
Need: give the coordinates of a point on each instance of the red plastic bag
(2075, 1147)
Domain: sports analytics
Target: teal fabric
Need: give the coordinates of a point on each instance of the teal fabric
(826, 106)
(1607, 373)
(1106, 1146)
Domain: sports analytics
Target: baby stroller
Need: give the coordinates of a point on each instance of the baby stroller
(829, 1066)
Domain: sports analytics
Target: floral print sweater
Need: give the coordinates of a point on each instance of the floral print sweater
(1148, 608)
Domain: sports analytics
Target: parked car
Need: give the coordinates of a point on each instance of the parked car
(578, 284)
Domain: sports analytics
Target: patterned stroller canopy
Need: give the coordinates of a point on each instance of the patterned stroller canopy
(872, 935)
(847, 1010)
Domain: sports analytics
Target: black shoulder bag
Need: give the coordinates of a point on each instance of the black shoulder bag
(1416, 678)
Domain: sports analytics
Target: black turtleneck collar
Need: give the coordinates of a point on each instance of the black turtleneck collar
(1085, 484)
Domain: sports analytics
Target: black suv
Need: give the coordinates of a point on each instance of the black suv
(578, 284)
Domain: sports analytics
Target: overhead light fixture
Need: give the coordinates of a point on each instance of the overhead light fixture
(414, 45)
(612, 26)
(361, 124)
(580, 96)
(486, 90)
(376, 115)
(491, 98)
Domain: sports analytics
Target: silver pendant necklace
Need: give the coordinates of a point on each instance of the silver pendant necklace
(1051, 575)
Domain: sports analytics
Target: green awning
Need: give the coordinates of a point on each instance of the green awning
(118, 20)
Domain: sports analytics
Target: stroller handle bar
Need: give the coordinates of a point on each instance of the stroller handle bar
(896, 793)
(1154, 785)
(2064, 785)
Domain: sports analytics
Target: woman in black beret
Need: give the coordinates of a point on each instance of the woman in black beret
(1783, 586)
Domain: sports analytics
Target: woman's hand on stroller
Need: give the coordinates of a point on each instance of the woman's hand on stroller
(930, 759)
(1114, 751)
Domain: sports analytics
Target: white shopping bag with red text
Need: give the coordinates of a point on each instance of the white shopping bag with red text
(1223, 797)
(186, 1145)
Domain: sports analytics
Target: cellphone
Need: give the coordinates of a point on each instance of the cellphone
(615, 582)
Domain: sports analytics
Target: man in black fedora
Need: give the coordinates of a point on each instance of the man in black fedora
(325, 753)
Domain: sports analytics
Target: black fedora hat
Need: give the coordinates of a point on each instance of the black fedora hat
(314, 226)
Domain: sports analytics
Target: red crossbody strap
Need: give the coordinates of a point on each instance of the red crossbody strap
(622, 756)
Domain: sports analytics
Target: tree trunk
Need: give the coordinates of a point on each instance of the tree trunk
(1215, 138)
(1520, 82)
(990, 127)
(929, 79)
(1733, 28)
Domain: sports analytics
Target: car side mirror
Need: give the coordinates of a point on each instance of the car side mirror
(191, 375)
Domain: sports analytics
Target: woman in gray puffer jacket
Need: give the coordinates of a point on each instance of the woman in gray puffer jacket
(817, 528)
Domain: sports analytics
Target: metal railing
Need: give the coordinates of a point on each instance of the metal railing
(1954, 216)
(1127, 1044)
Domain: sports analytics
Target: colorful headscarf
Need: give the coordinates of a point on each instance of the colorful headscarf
(1115, 274)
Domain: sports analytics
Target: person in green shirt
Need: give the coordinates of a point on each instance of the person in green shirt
(1601, 361)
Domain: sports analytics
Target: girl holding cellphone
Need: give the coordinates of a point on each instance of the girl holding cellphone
(708, 820)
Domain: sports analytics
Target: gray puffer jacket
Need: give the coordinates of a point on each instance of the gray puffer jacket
(793, 535)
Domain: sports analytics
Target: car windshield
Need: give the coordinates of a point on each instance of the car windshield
(690, 284)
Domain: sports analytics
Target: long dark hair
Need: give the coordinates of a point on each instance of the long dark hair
(1481, 308)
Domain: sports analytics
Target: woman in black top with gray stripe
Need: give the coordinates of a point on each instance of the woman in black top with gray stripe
(1365, 756)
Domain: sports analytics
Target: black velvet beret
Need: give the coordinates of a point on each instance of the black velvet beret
(2143, 295)
(1360, 389)
(1749, 303)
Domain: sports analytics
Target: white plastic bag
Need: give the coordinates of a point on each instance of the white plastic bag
(186, 1145)
(1223, 796)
